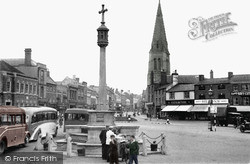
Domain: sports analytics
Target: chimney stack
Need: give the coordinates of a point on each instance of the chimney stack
(211, 74)
(175, 77)
(230, 75)
(201, 77)
(27, 61)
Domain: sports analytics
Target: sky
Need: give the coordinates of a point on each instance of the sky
(62, 34)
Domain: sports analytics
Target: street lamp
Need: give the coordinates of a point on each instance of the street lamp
(210, 93)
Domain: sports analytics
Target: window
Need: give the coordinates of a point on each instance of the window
(8, 86)
(42, 92)
(22, 88)
(221, 86)
(30, 88)
(235, 101)
(34, 89)
(26, 88)
(235, 87)
(245, 86)
(155, 64)
(201, 87)
(159, 64)
(171, 95)
(245, 100)
(6, 119)
(42, 75)
(18, 119)
(202, 96)
(186, 95)
(221, 96)
(17, 87)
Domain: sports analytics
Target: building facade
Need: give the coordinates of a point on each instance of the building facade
(35, 70)
(16, 88)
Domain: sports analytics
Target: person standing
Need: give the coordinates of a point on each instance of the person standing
(133, 150)
(113, 155)
(108, 139)
(102, 137)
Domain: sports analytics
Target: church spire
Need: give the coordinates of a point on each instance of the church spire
(159, 41)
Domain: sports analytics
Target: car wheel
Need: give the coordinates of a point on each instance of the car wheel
(2, 146)
(242, 129)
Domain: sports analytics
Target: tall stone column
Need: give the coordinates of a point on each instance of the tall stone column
(102, 43)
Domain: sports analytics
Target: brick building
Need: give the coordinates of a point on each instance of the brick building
(35, 70)
(16, 88)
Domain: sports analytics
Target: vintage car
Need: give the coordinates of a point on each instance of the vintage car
(245, 126)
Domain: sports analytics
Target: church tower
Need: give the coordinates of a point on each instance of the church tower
(159, 62)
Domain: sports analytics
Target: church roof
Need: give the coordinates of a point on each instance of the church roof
(159, 42)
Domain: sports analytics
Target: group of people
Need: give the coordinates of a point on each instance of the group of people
(110, 147)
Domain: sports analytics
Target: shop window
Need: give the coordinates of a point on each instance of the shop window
(202, 87)
(186, 95)
(221, 86)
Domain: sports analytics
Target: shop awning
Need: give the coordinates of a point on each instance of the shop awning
(170, 108)
(183, 108)
(219, 106)
(199, 108)
(242, 108)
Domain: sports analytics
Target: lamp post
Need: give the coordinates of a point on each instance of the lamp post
(210, 93)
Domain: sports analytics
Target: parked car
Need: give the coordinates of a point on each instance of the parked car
(245, 126)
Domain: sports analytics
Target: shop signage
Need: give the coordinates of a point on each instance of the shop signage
(240, 93)
(201, 101)
(214, 101)
(180, 102)
(220, 101)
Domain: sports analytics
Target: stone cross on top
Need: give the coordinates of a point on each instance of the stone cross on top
(102, 12)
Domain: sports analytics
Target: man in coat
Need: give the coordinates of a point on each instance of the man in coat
(102, 137)
(133, 150)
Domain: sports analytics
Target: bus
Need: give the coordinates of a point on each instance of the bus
(41, 120)
(13, 128)
(76, 116)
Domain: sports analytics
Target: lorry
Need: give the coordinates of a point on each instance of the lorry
(224, 115)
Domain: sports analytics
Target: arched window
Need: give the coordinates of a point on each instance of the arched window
(159, 63)
(155, 64)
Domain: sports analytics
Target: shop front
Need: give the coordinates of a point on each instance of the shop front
(203, 107)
